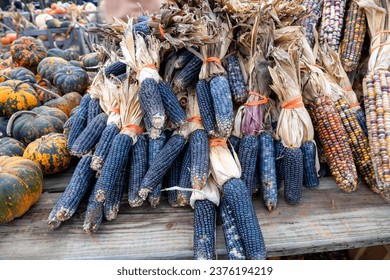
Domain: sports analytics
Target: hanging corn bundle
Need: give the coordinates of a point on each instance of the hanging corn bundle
(376, 92)
(310, 22)
(353, 36)
(286, 84)
(80, 120)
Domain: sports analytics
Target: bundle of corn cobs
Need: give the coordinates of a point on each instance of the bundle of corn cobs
(211, 102)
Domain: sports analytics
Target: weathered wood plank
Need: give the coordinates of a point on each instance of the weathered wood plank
(328, 219)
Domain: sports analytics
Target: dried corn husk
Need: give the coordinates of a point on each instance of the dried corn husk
(193, 112)
(210, 191)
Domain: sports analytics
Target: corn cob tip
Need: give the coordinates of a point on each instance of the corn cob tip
(386, 194)
(154, 201)
(90, 228)
(143, 193)
(54, 224)
(62, 215)
(198, 183)
(182, 200)
(270, 207)
(97, 163)
(158, 121)
(135, 202)
(100, 196)
(112, 214)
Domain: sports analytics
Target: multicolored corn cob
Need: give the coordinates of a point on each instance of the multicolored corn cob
(334, 142)
(314, 7)
(151, 102)
(171, 104)
(239, 201)
(332, 22)
(188, 75)
(200, 165)
(236, 79)
(103, 146)
(233, 240)
(205, 103)
(293, 175)
(310, 178)
(205, 214)
(80, 121)
(247, 154)
(94, 109)
(353, 38)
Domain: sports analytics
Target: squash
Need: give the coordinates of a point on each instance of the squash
(6, 55)
(27, 126)
(11, 147)
(71, 78)
(50, 65)
(5, 41)
(91, 60)
(65, 103)
(56, 53)
(15, 96)
(28, 52)
(53, 23)
(41, 19)
(12, 36)
(23, 74)
(3, 125)
(72, 55)
(50, 153)
(21, 183)
(65, 24)
(46, 91)
(77, 63)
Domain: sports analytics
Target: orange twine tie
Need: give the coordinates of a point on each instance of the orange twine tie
(216, 142)
(161, 29)
(133, 128)
(212, 59)
(354, 105)
(295, 103)
(115, 110)
(195, 119)
(348, 89)
(264, 99)
(151, 66)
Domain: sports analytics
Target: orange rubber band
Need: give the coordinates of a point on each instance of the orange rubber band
(379, 46)
(133, 128)
(295, 103)
(348, 89)
(195, 119)
(354, 105)
(151, 66)
(216, 142)
(256, 103)
(212, 59)
(115, 110)
(161, 29)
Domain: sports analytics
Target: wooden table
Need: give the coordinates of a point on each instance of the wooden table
(327, 219)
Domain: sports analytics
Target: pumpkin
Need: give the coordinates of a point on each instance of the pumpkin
(65, 24)
(41, 19)
(77, 63)
(15, 96)
(91, 59)
(71, 78)
(73, 111)
(12, 36)
(6, 55)
(28, 52)
(65, 103)
(11, 147)
(56, 53)
(50, 65)
(46, 91)
(21, 183)
(53, 23)
(23, 74)
(3, 126)
(50, 153)
(60, 10)
(5, 41)
(27, 126)
(71, 54)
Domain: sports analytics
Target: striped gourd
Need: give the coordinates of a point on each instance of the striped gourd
(309, 151)
(188, 75)
(183, 58)
(247, 154)
(158, 168)
(173, 181)
(103, 146)
(223, 105)
(90, 136)
(358, 142)
(182, 196)
(94, 109)
(233, 240)
(334, 142)
(353, 38)
(279, 164)
(267, 170)
(293, 175)
(206, 108)
(332, 22)
(239, 201)
(234, 143)
(80, 121)
(69, 201)
(236, 79)
(137, 170)
(112, 203)
(199, 163)
(205, 214)
(311, 21)
(171, 104)
(151, 102)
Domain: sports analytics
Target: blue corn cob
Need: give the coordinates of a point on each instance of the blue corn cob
(94, 214)
(90, 136)
(151, 102)
(235, 143)
(268, 170)
(80, 121)
(279, 152)
(233, 241)
(154, 148)
(223, 105)
(183, 197)
(93, 109)
(200, 165)
(69, 200)
(309, 151)
(361, 118)
(205, 213)
(103, 146)
(247, 154)
(239, 202)
(142, 18)
(67, 126)
(142, 28)
(116, 68)
(236, 80)
(188, 74)
(160, 167)
(138, 168)
(183, 58)
(173, 181)
(293, 175)
(205, 103)
(112, 203)
(122, 77)
(171, 104)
